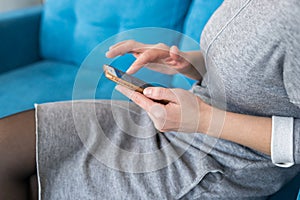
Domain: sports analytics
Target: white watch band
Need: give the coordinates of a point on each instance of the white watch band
(282, 154)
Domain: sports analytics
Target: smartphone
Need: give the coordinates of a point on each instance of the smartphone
(127, 80)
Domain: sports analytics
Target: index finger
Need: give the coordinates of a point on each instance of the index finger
(136, 97)
(148, 56)
(122, 48)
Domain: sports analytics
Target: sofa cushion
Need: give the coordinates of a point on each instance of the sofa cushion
(50, 81)
(196, 19)
(37, 83)
(198, 15)
(72, 28)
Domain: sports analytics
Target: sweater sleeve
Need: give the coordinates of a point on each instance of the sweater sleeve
(297, 141)
(285, 144)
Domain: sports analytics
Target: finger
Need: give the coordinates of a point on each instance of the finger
(150, 55)
(159, 93)
(136, 97)
(122, 48)
(171, 62)
(175, 53)
(117, 44)
(145, 58)
(136, 54)
(161, 67)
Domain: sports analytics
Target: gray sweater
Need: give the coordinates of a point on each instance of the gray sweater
(253, 67)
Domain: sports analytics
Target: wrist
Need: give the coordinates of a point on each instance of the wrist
(205, 116)
(195, 67)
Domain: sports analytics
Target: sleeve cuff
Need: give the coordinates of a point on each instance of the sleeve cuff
(282, 141)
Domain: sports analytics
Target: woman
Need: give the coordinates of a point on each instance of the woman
(249, 57)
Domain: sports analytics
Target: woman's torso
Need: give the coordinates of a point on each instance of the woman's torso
(245, 45)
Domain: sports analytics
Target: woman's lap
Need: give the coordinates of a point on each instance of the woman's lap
(110, 149)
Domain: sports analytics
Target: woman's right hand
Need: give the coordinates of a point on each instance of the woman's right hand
(158, 57)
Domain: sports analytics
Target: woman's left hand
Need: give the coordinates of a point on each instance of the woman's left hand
(183, 113)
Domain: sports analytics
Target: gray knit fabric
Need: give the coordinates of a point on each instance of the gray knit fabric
(253, 53)
(110, 149)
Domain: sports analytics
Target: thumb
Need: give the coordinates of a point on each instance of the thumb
(175, 53)
(159, 93)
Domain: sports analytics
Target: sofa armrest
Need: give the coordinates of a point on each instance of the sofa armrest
(19, 36)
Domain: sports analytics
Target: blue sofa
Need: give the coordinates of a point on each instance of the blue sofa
(55, 52)
(43, 48)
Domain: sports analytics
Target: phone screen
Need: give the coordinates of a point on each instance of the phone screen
(131, 79)
(125, 79)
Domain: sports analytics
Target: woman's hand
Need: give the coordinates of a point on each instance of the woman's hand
(158, 57)
(187, 113)
(182, 113)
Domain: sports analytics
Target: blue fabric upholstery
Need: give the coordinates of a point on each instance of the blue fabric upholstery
(72, 28)
(199, 13)
(40, 82)
(19, 35)
(196, 18)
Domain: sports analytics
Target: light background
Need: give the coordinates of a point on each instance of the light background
(9, 5)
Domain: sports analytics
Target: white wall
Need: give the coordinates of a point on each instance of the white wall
(8, 5)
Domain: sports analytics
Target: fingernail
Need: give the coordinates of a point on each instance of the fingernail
(147, 91)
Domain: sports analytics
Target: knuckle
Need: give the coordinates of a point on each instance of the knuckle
(146, 56)
(159, 126)
(158, 115)
(161, 45)
(158, 112)
(179, 92)
(130, 41)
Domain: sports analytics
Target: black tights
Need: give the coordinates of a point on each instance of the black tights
(17, 157)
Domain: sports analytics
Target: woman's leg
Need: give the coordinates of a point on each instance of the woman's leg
(17, 156)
